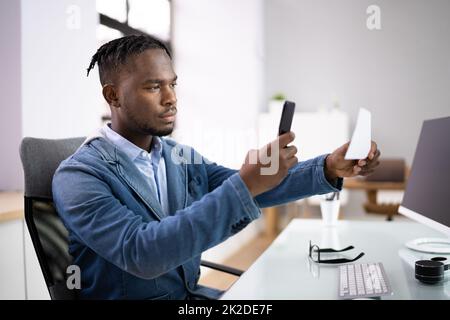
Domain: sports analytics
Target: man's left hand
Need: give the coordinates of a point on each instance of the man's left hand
(337, 167)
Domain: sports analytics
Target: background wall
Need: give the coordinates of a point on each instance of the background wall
(58, 41)
(318, 49)
(321, 50)
(10, 88)
(44, 85)
(218, 47)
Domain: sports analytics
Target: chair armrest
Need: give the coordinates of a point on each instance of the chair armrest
(221, 268)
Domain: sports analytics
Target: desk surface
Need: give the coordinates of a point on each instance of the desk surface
(11, 206)
(284, 271)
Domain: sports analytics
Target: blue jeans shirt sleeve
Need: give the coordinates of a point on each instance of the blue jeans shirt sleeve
(305, 179)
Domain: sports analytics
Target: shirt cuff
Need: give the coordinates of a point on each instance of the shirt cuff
(251, 206)
(337, 186)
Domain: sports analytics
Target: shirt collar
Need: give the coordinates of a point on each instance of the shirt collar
(130, 149)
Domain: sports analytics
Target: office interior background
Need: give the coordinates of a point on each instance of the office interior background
(232, 58)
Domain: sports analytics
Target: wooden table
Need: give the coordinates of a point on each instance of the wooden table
(372, 188)
(11, 206)
(271, 216)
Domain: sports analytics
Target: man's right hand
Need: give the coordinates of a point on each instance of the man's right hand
(265, 168)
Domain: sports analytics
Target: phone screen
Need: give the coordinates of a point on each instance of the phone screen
(286, 117)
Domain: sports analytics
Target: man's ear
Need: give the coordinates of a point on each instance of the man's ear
(110, 94)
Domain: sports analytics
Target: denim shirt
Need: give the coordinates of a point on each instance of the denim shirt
(127, 247)
(151, 164)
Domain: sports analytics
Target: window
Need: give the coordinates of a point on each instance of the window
(125, 17)
(151, 17)
(115, 9)
(106, 34)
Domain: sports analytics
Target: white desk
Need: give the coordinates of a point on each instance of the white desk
(284, 271)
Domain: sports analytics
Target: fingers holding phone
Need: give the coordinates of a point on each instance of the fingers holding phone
(265, 168)
(286, 154)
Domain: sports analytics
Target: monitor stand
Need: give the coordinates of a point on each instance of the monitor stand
(430, 245)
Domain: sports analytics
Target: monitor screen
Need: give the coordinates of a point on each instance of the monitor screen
(427, 194)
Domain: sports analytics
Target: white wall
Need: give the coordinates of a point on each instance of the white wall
(44, 87)
(58, 41)
(218, 49)
(321, 49)
(11, 176)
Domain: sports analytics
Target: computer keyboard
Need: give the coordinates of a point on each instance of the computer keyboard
(363, 280)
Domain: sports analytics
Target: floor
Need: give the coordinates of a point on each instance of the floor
(242, 260)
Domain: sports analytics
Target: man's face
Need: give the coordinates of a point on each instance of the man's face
(146, 94)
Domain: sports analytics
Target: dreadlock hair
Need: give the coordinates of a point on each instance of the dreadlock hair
(110, 56)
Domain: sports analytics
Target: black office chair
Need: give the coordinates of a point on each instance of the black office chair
(40, 159)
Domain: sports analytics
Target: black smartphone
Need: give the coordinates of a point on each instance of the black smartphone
(286, 117)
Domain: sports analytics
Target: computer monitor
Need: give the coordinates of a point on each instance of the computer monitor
(427, 194)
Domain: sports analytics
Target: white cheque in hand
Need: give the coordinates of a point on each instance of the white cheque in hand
(362, 138)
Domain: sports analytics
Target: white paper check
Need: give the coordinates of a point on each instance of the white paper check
(361, 139)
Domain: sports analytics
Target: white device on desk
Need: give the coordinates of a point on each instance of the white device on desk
(427, 194)
(363, 280)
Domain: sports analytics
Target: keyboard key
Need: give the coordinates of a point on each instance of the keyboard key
(363, 280)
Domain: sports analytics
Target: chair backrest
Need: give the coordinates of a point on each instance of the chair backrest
(40, 159)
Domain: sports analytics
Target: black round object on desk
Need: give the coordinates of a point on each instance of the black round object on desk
(439, 259)
(429, 271)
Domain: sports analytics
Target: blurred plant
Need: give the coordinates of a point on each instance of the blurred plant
(279, 96)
